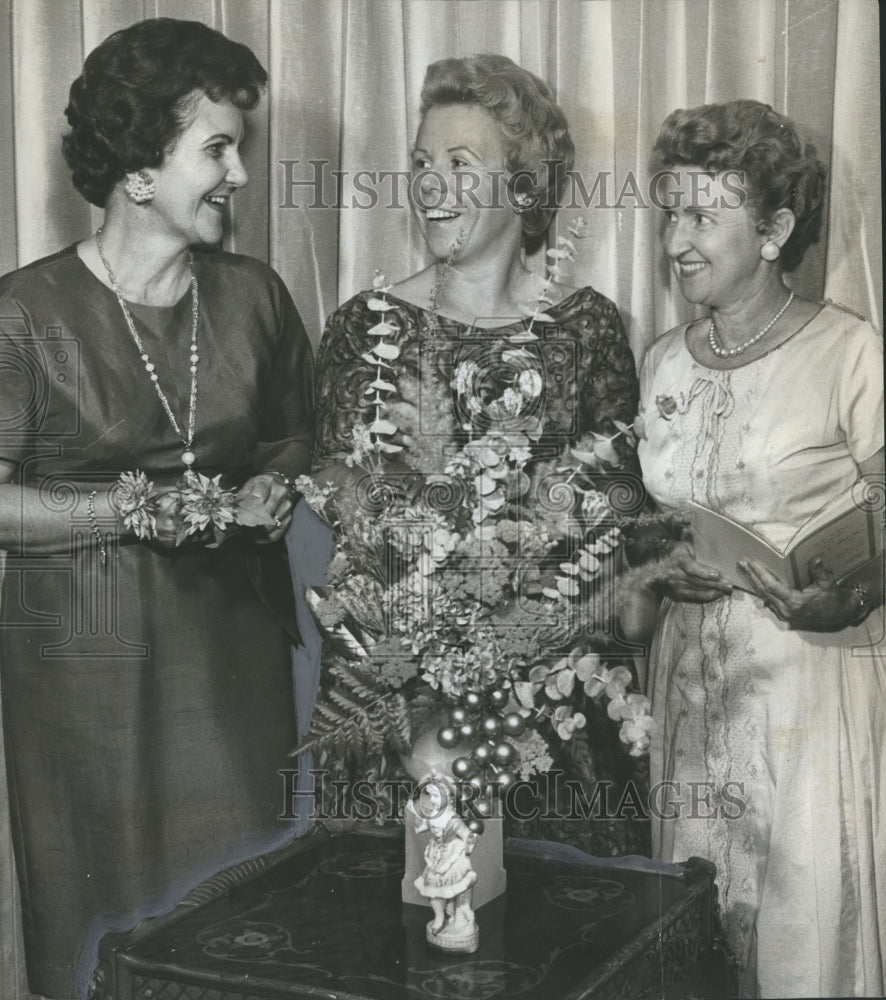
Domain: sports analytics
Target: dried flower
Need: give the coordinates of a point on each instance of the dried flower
(666, 406)
(203, 502)
(135, 499)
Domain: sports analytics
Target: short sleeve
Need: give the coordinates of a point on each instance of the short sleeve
(860, 398)
(342, 375)
(611, 391)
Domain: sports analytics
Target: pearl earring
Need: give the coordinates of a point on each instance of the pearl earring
(139, 187)
(770, 250)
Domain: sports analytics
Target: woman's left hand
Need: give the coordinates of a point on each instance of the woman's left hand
(820, 607)
(276, 499)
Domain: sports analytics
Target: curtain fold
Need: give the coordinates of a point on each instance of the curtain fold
(344, 92)
(855, 245)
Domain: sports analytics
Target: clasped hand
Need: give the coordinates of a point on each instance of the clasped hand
(273, 496)
(821, 607)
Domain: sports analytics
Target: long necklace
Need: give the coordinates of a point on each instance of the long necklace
(188, 456)
(730, 352)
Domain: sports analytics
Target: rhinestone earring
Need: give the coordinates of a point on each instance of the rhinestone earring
(139, 187)
(524, 202)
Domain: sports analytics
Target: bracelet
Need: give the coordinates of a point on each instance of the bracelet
(287, 482)
(93, 526)
(864, 604)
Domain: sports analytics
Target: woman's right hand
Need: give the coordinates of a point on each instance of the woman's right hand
(681, 578)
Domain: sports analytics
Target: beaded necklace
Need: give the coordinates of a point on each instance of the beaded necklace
(188, 456)
(731, 352)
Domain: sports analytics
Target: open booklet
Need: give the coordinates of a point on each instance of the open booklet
(843, 533)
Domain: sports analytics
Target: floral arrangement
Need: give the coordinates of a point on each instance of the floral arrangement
(484, 592)
(203, 510)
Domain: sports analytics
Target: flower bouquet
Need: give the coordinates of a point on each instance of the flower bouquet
(203, 510)
(478, 599)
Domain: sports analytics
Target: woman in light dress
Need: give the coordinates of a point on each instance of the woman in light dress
(771, 700)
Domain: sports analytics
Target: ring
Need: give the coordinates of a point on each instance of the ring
(278, 522)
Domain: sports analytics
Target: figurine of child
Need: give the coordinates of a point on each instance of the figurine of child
(448, 876)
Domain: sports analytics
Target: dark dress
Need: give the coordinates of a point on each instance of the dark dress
(147, 702)
(590, 383)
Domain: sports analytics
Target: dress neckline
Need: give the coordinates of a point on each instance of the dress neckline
(517, 323)
(753, 361)
(146, 308)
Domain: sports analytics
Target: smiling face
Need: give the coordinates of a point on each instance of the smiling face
(459, 194)
(711, 239)
(199, 175)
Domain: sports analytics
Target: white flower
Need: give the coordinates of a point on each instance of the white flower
(512, 402)
(530, 383)
(465, 375)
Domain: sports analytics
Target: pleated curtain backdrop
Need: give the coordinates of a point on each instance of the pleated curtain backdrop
(345, 78)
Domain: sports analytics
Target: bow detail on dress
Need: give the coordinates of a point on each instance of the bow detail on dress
(714, 390)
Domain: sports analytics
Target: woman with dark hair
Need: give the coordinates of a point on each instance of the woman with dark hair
(481, 340)
(770, 699)
(152, 385)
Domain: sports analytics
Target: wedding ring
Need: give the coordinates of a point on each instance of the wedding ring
(278, 522)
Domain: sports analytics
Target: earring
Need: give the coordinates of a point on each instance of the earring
(524, 202)
(770, 250)
(139, 187)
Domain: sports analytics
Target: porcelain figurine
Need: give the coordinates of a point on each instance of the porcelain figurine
(448, 877)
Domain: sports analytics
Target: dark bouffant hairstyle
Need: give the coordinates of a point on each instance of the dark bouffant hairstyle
(131, 102)
(781, 170)
(539, 147)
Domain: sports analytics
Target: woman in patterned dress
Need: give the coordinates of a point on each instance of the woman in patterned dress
(490, 159)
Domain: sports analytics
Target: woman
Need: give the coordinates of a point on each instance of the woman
(771, 698)
(146, 685)
(490, 160)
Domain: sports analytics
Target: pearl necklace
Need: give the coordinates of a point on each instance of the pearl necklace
(724, 352)
(188, 456)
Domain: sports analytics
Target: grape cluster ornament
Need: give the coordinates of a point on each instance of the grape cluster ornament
(482, 719)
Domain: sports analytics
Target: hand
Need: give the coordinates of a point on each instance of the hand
(276, 500)
(684, 579)
(167, 509)
(820, 607)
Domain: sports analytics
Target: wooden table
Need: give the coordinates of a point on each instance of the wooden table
(323, 918)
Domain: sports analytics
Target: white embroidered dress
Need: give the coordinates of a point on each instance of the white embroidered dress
(783, 730)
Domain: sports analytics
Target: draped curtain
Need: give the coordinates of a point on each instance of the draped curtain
(345, 79)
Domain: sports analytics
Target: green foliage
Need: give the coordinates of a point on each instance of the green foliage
(357, 717)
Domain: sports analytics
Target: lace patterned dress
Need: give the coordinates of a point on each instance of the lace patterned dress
(589, 383)
(783, 730)
(590, 374)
